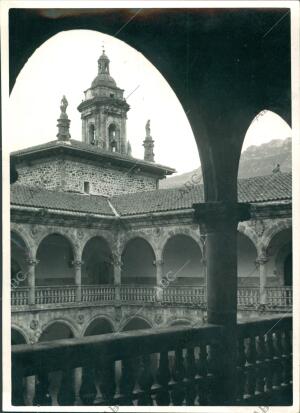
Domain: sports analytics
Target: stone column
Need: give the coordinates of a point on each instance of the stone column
(31, 280)
(219, 220)
(77, 268)
(261, 261)
(159, 277)
(117, 277)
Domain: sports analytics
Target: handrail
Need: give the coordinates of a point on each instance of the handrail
(188, 365)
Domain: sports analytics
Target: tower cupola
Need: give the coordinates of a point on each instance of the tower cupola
(104, 111)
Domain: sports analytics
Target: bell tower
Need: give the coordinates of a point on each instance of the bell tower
(104, 111)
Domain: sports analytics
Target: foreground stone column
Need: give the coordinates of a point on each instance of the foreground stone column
(262, 260)
(219, 220)
(31, 280)
(77, 268)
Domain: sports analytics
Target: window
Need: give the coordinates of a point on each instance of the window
(86, 187)
(92, 134)
(111, 95)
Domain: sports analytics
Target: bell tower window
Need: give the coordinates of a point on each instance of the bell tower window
(112, 136)
(92, 140)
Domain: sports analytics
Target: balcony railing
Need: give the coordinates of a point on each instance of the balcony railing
(185, 295)
(170, 366)
(19, 296)
(97, 293)
(248, 296)
(55, 295)
(281, 297)
(278, 298)
(138, 294)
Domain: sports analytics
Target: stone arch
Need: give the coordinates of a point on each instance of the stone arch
(271, 232)
(107, 325)
(248, 270)
(85, 238)
(20, 332)
(183, 260)
(138, 262)
(180, 231)
(138, 234)
(22, 233)
(19, 259)
(51, 231)
(278, 249)
(140, 322)
(97, 262)
(249, 233)
(60, 321)
(55, 257)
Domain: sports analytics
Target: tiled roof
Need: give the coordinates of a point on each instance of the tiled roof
(74, 144)
(62, 201)
(271, 188)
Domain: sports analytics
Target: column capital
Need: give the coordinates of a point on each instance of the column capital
(262, 259)
(77, 263)
(32, 262)
(216, 214)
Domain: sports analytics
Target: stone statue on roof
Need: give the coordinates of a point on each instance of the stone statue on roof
(148, 131)
(63, 104)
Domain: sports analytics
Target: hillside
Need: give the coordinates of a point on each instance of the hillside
(255, 161)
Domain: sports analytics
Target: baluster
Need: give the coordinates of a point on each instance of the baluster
(191, 375)
(145, 381)
(250, 367)
(215, 371)
(203, 372)
(107, 383)
(66, 394)
(163, 378)
(241, 360)
(88, 388)
(178, 372)
(42, 396)
(270, 362)
(127, 381)
(261, 364)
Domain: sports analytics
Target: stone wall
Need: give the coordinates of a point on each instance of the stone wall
(70, 175)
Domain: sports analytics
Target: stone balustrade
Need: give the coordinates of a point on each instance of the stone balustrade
(278, 298)
(168, 366)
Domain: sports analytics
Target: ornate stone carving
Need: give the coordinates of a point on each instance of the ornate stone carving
(118, 314)
(77, 263)
(259, 227)
(34, 230)
(158, 318)
(34, 324)
(80, 318)
(80, 234)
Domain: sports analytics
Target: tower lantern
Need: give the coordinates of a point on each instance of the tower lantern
(104, 111)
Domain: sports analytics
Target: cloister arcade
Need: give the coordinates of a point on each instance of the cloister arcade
(180, 258)
(96, 271)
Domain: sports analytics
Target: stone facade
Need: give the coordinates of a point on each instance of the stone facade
(63, 174)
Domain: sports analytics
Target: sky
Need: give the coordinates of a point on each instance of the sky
(66, 64)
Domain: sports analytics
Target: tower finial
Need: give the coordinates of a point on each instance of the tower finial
(63, 121)
(148, 144)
